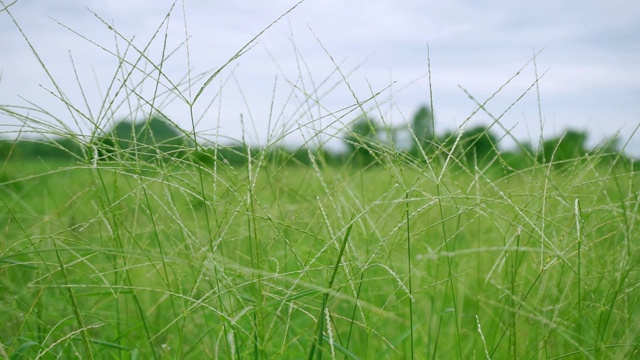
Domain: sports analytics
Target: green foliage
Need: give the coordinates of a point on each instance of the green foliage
(158, 139)
(363, 141)
(517, 160)
(571, 145)
(471, 148)
(422, 127)
(230, 155)
(153, 139)
(54, 148)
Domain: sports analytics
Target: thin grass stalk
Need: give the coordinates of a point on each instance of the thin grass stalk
(450, 276)
(410, 298)
(578, 213)
(105, 203)
(74, 304)
(319, 338)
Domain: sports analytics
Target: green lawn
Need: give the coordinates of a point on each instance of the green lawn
(115, 261)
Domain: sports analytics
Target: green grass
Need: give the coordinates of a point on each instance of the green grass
(163, 258)
(111, 263)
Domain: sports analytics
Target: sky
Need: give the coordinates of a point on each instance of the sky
(542, 67)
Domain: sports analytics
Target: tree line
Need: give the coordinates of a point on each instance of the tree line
(367, 142)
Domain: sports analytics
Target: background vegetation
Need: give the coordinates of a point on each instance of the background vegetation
(366, 142)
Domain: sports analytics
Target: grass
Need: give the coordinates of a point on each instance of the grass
(127, 261)
(125, 258)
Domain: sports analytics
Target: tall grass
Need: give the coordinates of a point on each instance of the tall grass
(126, 256)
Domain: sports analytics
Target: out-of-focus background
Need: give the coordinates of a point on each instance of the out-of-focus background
(589, 58)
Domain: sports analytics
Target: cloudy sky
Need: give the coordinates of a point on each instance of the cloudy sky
(287, 82)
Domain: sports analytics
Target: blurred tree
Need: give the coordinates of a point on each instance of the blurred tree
(480, 144)
(519, 159)
(477, 146)
(150, 139)
(571, 145)
(51, 148)
(609, 150)
(422, 127)
(362, 140)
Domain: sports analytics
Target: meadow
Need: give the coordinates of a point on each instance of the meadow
(175, 260)
(137, 254)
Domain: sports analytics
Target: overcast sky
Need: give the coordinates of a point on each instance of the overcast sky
(590, 60)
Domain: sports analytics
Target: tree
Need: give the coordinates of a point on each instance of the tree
(476, 146)
(479, 144)
(51, 148)
(362, 140)
(422, 127)
(571, 145)
(152, 138)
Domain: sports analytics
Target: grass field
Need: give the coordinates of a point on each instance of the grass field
(178, 261)
(138, 258)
